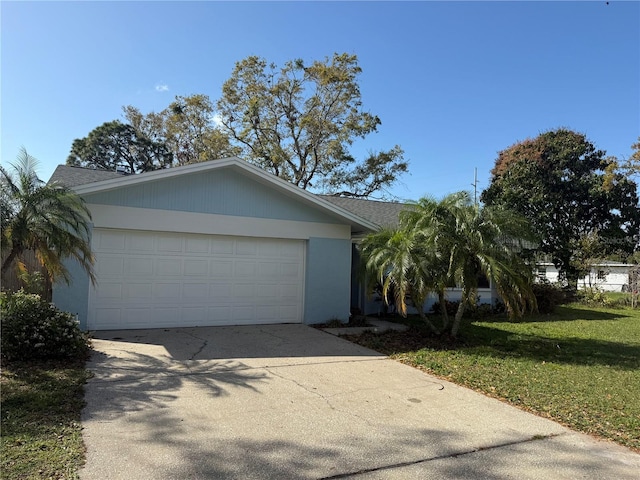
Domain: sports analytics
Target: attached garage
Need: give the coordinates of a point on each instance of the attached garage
(214, 243)
(164, 279)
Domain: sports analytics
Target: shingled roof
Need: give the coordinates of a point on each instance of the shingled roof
(383, 214)
(74, 176)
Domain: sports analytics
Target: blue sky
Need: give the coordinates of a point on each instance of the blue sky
(452, 82)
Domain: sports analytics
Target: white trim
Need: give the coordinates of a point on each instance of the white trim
(132, 218)
(231, 162)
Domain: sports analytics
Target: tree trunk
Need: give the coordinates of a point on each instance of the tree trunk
(458, 318)
(424, 318)
(7, 261)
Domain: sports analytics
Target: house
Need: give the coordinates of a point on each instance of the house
(220, 243)
(213, 243)
(608, 276)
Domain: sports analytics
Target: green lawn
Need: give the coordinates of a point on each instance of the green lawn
(40, 420)
(579, 366)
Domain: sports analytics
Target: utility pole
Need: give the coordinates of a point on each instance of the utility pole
(475, 186)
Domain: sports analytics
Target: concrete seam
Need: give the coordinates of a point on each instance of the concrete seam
(441, 457)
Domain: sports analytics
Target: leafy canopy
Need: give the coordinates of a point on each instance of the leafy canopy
(187, 128)
(298, 121)
(114, 144)
(569, 191)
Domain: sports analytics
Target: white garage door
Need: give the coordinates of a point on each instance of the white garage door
(160, 279)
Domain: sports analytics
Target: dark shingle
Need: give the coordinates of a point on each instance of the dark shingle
(383, 214)
(74, 176)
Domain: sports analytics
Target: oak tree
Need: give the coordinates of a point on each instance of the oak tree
(569, 191)
(187, 127)
(298, 122)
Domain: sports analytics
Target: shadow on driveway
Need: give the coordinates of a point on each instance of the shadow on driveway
(289, 401)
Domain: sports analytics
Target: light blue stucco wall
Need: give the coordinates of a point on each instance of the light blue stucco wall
(223, 192)
(328, 277)
(74, 297)
(227, 192)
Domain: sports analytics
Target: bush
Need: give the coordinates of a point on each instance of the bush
(593, 296)
(478, 311)
(548, 296)
(35, 329)
(452, 307)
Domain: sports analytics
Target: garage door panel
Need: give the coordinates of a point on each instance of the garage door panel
(290, 270)
(112, 241)
(169, 266)
(139, 292)
(221, 268)
(220, 292)
(158, 279)
(244, 269)
(197, 245)
(167, 291)
(196, 268)
(140, 243)
(196, 291)
(246, 247)
(110, 291)
(222, 246)
(139, 266)
(110, 265)
(168, 243)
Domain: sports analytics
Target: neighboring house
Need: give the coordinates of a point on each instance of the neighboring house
(608, 276)
(213, 243)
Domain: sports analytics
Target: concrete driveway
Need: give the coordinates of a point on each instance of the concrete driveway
(292, 402)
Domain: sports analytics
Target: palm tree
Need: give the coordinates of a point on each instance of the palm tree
(396, 259)
(49, 219)
(480, 241)
(451, 241)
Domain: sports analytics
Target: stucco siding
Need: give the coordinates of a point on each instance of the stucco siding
(223, 192)
(73, 298)
(328, 269)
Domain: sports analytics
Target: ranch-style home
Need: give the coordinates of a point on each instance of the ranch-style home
(217, 243)
(608, 276)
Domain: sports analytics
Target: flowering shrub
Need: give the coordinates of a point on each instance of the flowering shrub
(35, 329)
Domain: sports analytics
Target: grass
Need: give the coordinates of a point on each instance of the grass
(579, 366)
(40, 419)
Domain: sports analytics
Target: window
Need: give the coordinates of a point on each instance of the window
(542, 273)
(483, 281)
(602, 275)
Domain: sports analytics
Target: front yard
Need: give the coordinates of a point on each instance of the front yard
(579, 366)
(40, 421)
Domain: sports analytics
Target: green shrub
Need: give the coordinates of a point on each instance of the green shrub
(452, 307)
(548, 296)
(594, 296)
(35, 329)
(477, 311)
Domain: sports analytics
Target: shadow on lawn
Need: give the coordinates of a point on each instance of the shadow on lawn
(563, 313)
(572, 350)
(485, 340)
